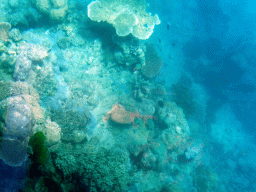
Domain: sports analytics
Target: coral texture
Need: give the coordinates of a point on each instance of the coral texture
(127, 16)
(52, 132)
(4, 30)
(13, 151)
(101, 171)
(18, 127)
(19, 111)
(18, 118)
(153, 62)
(55, 9)
(119, 115)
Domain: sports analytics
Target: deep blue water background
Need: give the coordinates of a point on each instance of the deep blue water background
(223, 34)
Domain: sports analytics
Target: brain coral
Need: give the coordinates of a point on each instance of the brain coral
(127, 16)
(18, 118)
(19, 111)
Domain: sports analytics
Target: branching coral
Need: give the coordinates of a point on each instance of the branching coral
(101, 171)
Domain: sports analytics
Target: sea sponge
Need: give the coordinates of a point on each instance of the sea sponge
(127, 16)
(119, 115)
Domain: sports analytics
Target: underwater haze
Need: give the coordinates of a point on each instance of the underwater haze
(127, 95)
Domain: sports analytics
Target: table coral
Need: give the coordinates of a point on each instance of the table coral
(127, 16)
(153, 62)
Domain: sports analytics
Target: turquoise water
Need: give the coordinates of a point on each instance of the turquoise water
(131, 95)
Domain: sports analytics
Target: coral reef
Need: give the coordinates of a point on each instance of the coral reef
(205, 179)
(13, 151)
(55, 9)
(20, 111)
(7, 60)
(15, 34)
(5, 90)
(4, 31)
(127, 16)
(70, 119)
(103, 170)
(52, 132)
(176, 130)
(130, 52)
(153, 62)
(18, 118)
(149, 181)
(18, 127)
(59, 79)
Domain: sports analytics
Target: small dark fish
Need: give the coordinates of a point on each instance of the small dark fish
(168, 26)
(159, 40)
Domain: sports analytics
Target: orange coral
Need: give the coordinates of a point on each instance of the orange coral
(119, 115)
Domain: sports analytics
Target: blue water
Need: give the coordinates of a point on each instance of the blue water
(209, 43)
